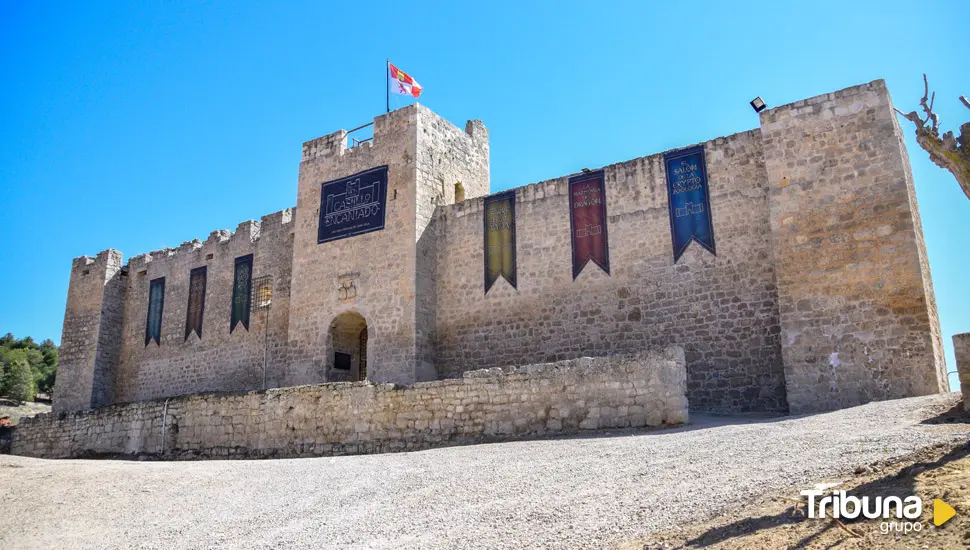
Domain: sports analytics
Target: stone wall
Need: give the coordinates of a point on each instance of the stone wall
(446, 156)
(858, 315)
(961, 350)
(218, 360)
(89, 339)
(343, 418)
(393, 285)
(722, 309)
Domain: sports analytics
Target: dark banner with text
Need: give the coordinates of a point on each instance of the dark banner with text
(242, 280)
(353, 205)
(499, 238)
(587, 221)
(193, 315)
(688, 199)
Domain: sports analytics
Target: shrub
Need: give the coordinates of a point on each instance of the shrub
(18, 381)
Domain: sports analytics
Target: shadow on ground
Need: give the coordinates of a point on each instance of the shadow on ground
(787, 526)
(954, 415)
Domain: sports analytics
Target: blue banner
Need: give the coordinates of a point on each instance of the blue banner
(688, 200)
(353, 205)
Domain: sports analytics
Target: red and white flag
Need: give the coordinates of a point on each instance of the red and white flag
(402, 83)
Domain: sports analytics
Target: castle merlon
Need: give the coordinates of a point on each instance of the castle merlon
(248, 231)
(336, 143)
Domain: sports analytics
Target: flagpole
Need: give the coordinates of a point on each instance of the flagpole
(387, 83)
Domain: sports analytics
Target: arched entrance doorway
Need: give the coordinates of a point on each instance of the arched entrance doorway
(347, 360)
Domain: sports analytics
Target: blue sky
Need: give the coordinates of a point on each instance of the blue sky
(141, 125)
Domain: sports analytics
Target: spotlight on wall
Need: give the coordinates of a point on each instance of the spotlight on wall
(758, 104)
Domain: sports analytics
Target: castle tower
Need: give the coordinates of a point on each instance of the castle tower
(858, 316)
(362, 302)
(91, 337)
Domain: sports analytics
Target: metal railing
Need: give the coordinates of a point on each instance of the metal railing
(354, 142)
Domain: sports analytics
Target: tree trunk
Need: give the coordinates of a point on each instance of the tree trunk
(949, 159)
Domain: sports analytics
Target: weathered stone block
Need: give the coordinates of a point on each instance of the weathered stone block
(961, 350)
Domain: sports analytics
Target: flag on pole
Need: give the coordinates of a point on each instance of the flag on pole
(401, 83)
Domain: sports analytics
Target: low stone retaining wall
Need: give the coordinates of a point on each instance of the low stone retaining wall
(647, 389)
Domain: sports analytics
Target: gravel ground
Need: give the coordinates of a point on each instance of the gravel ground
(583, 492)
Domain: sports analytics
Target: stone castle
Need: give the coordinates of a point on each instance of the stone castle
(818, 297)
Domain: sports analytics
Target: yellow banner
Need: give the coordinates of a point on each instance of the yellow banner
(500, 239)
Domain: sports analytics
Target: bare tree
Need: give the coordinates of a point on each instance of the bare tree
(951, 153)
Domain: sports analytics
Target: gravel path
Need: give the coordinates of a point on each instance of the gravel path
(586, 492)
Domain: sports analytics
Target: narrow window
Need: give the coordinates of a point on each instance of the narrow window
(459, 192)
(241, 285)
(193, 315)
(156, 301)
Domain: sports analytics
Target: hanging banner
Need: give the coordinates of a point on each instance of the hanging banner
(193, 314)
(688, 200)
(156, 302)
(587, 221)
(353, 205)
(241, 283)
(499, 222)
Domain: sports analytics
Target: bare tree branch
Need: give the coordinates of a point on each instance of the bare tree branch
(949, 152)
(913, 117)
(928, 109)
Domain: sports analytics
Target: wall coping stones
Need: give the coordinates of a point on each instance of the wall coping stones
(516, 402)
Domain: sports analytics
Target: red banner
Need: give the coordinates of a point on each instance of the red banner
(587, 220)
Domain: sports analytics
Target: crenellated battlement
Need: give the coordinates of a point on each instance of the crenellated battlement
(387, 129)
(335, 143)
(105, 261)
(650, 169)
(247, 234)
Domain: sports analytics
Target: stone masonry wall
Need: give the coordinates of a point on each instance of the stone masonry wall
(89, 343)
(858, 315)
(446, 155)
(378, 265)
(218, 361)
(961, 350)
(343, 418)
(392, 281)
(109, 332)
(722, 309)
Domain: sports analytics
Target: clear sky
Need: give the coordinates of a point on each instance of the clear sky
(141, 125)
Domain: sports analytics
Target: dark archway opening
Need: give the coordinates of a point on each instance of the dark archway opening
(347, 359)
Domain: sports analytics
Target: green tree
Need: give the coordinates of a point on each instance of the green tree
(44, 375)
(18, 380)
(24, 343)
(41, 359)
